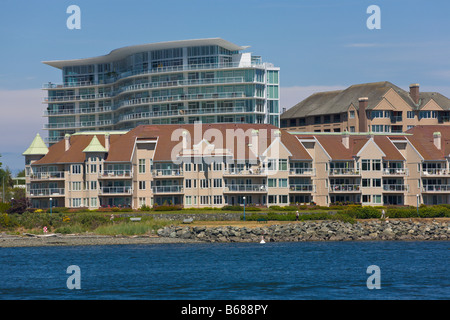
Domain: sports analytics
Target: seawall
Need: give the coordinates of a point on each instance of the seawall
(315, 231)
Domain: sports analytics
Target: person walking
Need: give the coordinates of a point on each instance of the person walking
(383, 214)
(296, 216)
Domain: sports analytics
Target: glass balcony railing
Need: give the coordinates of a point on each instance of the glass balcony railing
(302, 171)
(76, 111)
(436, 188)
(47, 192)
(169, 69)
(245, 188)
(167, 173)
(78, 124)
(395, 171)
(434, 171)
(47, 175)
(167, 189)
(395, 187)
(343, 171)
(116, 190)
(301, 188)
(345, 188)
(115, 174)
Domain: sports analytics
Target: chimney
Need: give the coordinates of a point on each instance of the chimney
(284, 110)
(346, 139)
(67, 142)
(437, 139)
(362, 114)
(414, 92)
(107, 142)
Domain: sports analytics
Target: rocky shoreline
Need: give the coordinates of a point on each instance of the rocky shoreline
(314, 231)
(373, 230)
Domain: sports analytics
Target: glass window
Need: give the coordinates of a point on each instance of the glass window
(365, 165)
(141, 165)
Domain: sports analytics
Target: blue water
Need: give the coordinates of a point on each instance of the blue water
(243, 271)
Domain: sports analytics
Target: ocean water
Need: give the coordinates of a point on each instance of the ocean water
(229, 271)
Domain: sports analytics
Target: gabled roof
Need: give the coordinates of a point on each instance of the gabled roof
(95, 146)
(334, 147)
(423, 142)
(333, 102)
(37, 147)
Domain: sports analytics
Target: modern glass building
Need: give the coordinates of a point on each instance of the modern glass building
(207, 80)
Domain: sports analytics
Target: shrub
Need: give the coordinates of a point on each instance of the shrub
(232, 208)
(4, 206)
(167, 208)
(7, 221)
(145, 208)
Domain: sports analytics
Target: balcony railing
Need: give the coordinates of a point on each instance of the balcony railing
(245, 188)
(47, 175)
(302, 171)
(78, 124)
(436, 188)
(395, 171)
(244, 172)
(76, 111)
(431, 172)
(167, 189)
(167, 173)
(302, 188)
(395, 187)
(123, 75)
(116, 190)
(78, 98)
(47, 192)
(343, 172)
(115, 174)
(345, 188)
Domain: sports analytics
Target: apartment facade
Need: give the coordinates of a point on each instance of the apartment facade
(208, 80)
(215, 165)
(379, 107)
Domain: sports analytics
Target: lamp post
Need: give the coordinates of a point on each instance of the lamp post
(244, 207)
(418, 197)
(51, 206)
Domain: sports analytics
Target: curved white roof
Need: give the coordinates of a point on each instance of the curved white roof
(121, 53)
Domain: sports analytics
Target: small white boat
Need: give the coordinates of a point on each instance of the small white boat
(262, 240)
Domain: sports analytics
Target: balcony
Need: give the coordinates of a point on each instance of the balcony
(250, 188)
(302, 172)
(208, 66)
(167, 173)
(77, 98)
(350, 188)
(116, 174)
(84, 124)
(436, 188)
(244, 172)
(167, 189)
(434, 172)
(126, 190)
(302, 188)
(344, 172)
(395, 187)
(53, 175)
(47, 192)
(76, 111)
(395, 172)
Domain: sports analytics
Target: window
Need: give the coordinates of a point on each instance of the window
(410, 114)
(76, 186)
(141, 165)
(352, 129)
(93, 185)
(365, 165)
(376, 198)
(351, 114)
(76, 168)
(366, 182)
(377, 128)
(188, 183)
(283, 199)
(204, 183)
(271, 164)
(217, 199)
(376, 183)
(204, 199)
(282, 164)
(366, 198)
(141, 201)
(376, 165)
(93, 168)
(188, 200)
(93, 202)
(76, 202)
(217, 183)
(217, 166)
(282, 183)
(141, 185)
(317, 120)
(187, 167)
(272, 199)
(377, 114)
(272, 183)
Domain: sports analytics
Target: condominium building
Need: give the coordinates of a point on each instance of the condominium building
(213, 165)
(208, 80)
(370, 107)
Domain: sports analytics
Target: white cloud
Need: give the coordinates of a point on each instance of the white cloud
(290, 96)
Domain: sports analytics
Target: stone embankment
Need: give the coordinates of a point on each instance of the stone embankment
(315, 231)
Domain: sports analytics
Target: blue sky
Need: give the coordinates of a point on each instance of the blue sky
(319, 45)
